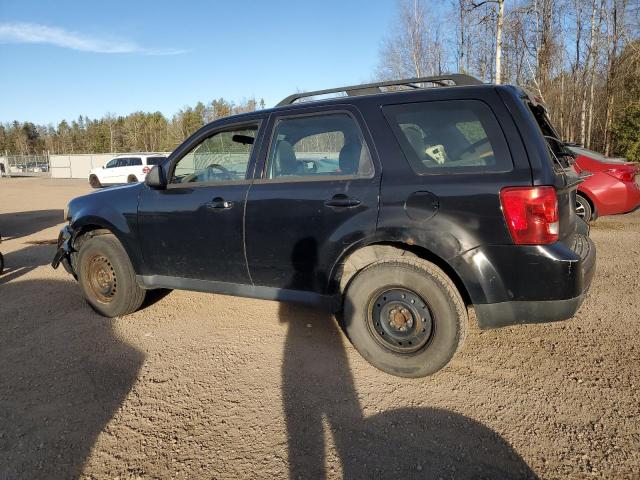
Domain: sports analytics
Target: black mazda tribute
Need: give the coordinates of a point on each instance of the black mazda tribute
(397, 204)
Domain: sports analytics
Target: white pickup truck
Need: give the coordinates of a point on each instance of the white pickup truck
(125, 169)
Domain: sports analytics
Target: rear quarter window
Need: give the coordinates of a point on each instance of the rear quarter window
(155, 160)
(453, 136)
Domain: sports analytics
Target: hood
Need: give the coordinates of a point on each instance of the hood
(109, 197)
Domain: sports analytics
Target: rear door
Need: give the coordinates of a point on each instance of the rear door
(124, 169)
(134, 169)
(315, 196)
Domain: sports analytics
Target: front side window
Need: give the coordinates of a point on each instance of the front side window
(449, 136)
(222, 157)
(112, 163)
(317, 146)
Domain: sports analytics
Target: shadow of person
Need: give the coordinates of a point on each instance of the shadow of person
(320, 399)
(23, 261)
(63, 375)
(21, 224)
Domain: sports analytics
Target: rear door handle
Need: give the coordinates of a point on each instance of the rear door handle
(343, 201)
(219, 203)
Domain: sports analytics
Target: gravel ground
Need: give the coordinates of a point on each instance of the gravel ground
(208, 386)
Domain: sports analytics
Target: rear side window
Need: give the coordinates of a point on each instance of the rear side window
(316, 146)
(155, 160)
(453, 136)
(129, 162)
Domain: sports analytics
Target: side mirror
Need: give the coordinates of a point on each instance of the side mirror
(155, 178)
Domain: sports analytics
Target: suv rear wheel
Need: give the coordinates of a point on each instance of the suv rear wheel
(405, 316)
(94, 181)
(107, 278)
(132, 179)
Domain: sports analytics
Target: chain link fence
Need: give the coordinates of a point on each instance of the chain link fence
(25, 166)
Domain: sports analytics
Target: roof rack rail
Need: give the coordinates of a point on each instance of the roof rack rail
(372, 88)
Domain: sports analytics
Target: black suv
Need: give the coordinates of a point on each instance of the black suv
(397, 205)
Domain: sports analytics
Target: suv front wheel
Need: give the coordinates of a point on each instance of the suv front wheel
(107, 278)
(405, 316)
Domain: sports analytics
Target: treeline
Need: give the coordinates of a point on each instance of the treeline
(137, 132)
(582, 57)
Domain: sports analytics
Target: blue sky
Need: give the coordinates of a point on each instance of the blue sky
(94, 57)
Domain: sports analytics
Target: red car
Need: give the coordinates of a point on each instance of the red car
(613, 188)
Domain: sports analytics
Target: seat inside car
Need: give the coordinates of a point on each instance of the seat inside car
(286, 162)
(349, 157)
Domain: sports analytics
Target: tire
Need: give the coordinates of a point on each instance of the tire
(107, 278)
(1, 264)
(94, 182)
(132, 179)
(583, 208)
(435, 326)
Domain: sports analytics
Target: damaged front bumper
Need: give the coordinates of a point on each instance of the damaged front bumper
(64, 251)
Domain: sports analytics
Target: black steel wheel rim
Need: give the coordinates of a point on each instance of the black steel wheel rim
(101, 278)
(400, 320)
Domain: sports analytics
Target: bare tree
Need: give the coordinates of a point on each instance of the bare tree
(110, 121)
(495, 14)
(414, 48)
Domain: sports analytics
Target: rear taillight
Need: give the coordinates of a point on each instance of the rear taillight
(146, 170)
(531, 214)
(625, 174)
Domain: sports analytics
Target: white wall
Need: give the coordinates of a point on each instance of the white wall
(78, 165)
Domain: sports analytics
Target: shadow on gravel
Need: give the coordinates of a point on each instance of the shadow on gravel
(318, 391)
(63, 376)
(21, 224)
(21, 262)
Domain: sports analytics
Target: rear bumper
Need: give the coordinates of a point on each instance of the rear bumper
(534, 284)
(495, 315)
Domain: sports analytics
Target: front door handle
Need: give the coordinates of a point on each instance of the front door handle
(343, 201)
(219, 203)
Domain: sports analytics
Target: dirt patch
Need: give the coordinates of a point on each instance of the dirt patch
(208, 386)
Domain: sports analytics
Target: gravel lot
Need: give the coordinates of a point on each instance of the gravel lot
(208, 386)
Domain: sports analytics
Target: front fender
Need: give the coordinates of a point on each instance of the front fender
(115, 210)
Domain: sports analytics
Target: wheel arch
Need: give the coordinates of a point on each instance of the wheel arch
(362, 255)
(88, 227)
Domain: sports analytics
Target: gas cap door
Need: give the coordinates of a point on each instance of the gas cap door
(421, 206)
